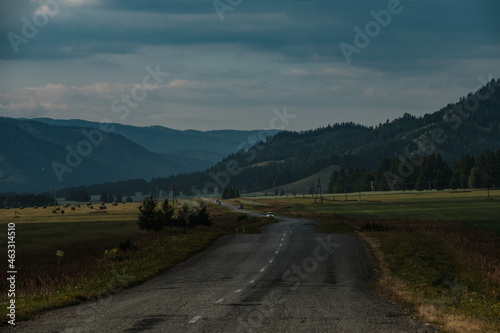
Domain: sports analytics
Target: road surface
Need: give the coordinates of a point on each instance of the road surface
(290, 278)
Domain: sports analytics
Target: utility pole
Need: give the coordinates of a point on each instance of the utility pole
(345, 188)
(275, 199)
(372, 185)
(174, 195)
(318, 190)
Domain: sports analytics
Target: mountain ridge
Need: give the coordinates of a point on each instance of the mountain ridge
(40, 155)
(469, 126)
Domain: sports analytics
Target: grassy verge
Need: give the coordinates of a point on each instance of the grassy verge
(422, 272)
(103, 254)
(101, 276)
(437, 254)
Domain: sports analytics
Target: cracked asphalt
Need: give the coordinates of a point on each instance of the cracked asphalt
(290, 278)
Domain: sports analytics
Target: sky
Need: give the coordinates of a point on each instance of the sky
(239, 64)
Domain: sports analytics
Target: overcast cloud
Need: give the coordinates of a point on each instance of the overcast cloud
(230, 69)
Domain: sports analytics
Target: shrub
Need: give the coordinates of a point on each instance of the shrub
(127, 245)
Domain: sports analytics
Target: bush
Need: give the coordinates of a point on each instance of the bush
(372, 226)
(127, 245)
(112, 254)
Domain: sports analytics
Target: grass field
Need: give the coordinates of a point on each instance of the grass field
(469, 208)
(104, 252)
(436, 253)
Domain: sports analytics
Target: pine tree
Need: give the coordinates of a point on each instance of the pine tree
(150, 218)
(465, 165)
(167, 214)
(203, 217)
(455, 180)
(333, 182)
(183, 220)
(225, 193)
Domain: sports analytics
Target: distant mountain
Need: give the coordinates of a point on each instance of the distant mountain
(204, 148)
(39, 155)
(469, 126)
(27, 149)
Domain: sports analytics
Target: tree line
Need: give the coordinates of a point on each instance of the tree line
(13, 200)
(424, 173)
(230, 193)
(153, 217)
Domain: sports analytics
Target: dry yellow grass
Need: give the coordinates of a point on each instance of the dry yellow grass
(391, 287)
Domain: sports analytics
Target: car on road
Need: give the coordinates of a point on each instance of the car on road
(240, 207)
(270, 214)
(217, 202)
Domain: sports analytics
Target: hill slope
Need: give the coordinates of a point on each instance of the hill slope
(470, 126)
(34, 153)
(204, 148)
(36, 156)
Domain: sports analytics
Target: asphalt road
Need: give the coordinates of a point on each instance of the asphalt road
(290, 278)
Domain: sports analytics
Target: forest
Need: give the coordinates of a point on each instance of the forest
(426, 173)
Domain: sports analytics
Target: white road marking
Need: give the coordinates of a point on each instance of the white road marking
(289, 229)
(238, 291)
(220, 301)
(277, 252)
(252, 282)
(271, 261)
(194, 320)
(281, 245)
(282, 239)
(263, 269)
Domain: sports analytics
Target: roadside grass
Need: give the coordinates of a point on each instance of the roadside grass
(436, 254)
(104, 253)
(442, 277)
(467, 207)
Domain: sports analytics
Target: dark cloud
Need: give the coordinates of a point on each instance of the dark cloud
(299, 31)
(262, 54)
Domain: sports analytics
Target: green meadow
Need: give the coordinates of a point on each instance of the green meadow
(469, 208)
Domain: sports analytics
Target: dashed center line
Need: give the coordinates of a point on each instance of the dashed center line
(219, 301)
(194, 320)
